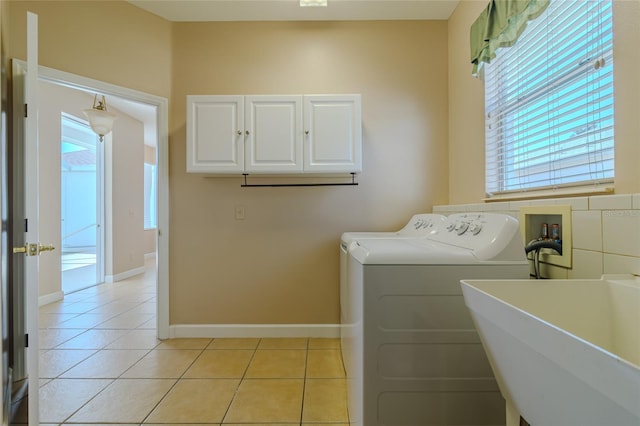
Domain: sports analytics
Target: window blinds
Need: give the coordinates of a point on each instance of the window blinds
(549, 101)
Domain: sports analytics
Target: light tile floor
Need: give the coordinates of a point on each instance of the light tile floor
(101, 363)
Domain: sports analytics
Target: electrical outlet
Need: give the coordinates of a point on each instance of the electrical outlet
(239, 212)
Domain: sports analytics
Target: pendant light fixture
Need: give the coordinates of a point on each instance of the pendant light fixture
(100, 120)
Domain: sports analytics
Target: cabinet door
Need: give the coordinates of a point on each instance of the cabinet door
(333, 133)
(215, 134)
(274, 139)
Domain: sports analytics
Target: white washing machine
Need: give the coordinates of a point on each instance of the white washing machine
(411, 352)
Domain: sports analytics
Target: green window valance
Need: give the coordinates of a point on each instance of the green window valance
(500, 25)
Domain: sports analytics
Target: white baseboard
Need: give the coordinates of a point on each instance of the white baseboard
(50, 298)
(124, 275)
(254, 330)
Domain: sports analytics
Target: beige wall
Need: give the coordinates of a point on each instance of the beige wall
(123, 180)
(626, 38)
(124, 195)
(281, 264)
(466, 110)
(110, 41)
(466, 104)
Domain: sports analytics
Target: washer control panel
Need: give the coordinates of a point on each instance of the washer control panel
(466, 224)
(423, 225)
(476, 230)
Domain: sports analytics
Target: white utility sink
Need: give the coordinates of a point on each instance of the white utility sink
(564, 352)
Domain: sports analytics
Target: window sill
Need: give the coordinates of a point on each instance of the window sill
(578, 191)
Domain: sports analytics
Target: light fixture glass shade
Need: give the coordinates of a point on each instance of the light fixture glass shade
(306, 3)
(100, 120)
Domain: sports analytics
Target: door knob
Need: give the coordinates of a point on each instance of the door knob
(31, 249)
(22, 249)
(48, 247)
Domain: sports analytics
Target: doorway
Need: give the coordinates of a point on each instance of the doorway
(126, 100)
(82, 189)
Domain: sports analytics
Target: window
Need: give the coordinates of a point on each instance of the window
(549, 102)
(150, 184)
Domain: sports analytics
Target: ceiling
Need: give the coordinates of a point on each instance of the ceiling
(290, 10)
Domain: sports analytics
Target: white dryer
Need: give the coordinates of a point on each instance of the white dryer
(419, 226)
(411, 352)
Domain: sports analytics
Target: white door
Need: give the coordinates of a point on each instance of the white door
(273, 131)
(215, 134)
(333, 134)
(26, 83)
(32, 212)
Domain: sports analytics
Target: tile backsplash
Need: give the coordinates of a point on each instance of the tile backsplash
(606, 232)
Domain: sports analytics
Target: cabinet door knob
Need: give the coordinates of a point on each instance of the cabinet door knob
(246, 132)
(239, 132)
(306, 132)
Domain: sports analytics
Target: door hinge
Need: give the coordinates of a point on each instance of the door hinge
(26, 340)
(26, 111)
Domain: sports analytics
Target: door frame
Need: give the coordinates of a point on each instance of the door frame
(162, 157)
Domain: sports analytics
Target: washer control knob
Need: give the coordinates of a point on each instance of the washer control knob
(451, 227)
(461, 228)
(475, 228)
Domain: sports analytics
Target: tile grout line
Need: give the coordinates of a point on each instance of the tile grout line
(244, 374)
(344, 372)
(89, 400)
(176, 382)
(304, 381)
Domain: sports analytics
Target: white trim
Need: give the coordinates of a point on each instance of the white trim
(254, 330)
(162, 104)
(534, 194)
(56, 296)
(124, 275)
(151, 255)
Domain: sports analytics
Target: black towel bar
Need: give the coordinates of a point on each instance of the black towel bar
(280, 185)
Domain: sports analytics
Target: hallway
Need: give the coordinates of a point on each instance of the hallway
(100, 362)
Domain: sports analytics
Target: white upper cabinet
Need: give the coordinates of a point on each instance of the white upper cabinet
(215, 134)
(333, 133)
(273, 142)
(263, 134)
